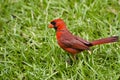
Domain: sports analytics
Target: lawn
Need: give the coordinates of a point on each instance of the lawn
(29, 50)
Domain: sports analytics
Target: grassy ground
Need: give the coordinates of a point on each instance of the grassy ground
(28, 48)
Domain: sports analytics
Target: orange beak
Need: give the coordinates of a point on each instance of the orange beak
(50, 26)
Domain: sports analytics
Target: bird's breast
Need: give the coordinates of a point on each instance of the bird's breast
(58, 35)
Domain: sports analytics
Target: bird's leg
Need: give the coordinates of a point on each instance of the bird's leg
(73, 57)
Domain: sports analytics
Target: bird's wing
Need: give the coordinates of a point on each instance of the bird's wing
(74, 43)
(83, 41)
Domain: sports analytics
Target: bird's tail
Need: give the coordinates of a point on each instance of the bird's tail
(105, 40)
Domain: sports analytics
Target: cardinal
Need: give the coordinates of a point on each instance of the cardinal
(74, 44)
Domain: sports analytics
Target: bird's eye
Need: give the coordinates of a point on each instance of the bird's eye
(53, 23)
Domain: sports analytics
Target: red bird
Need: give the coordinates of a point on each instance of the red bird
(74, 44)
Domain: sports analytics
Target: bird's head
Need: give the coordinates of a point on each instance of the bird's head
(57, 24)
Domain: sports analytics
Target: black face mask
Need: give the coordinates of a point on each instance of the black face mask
(54, 24)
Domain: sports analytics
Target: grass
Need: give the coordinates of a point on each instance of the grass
(28, 48)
